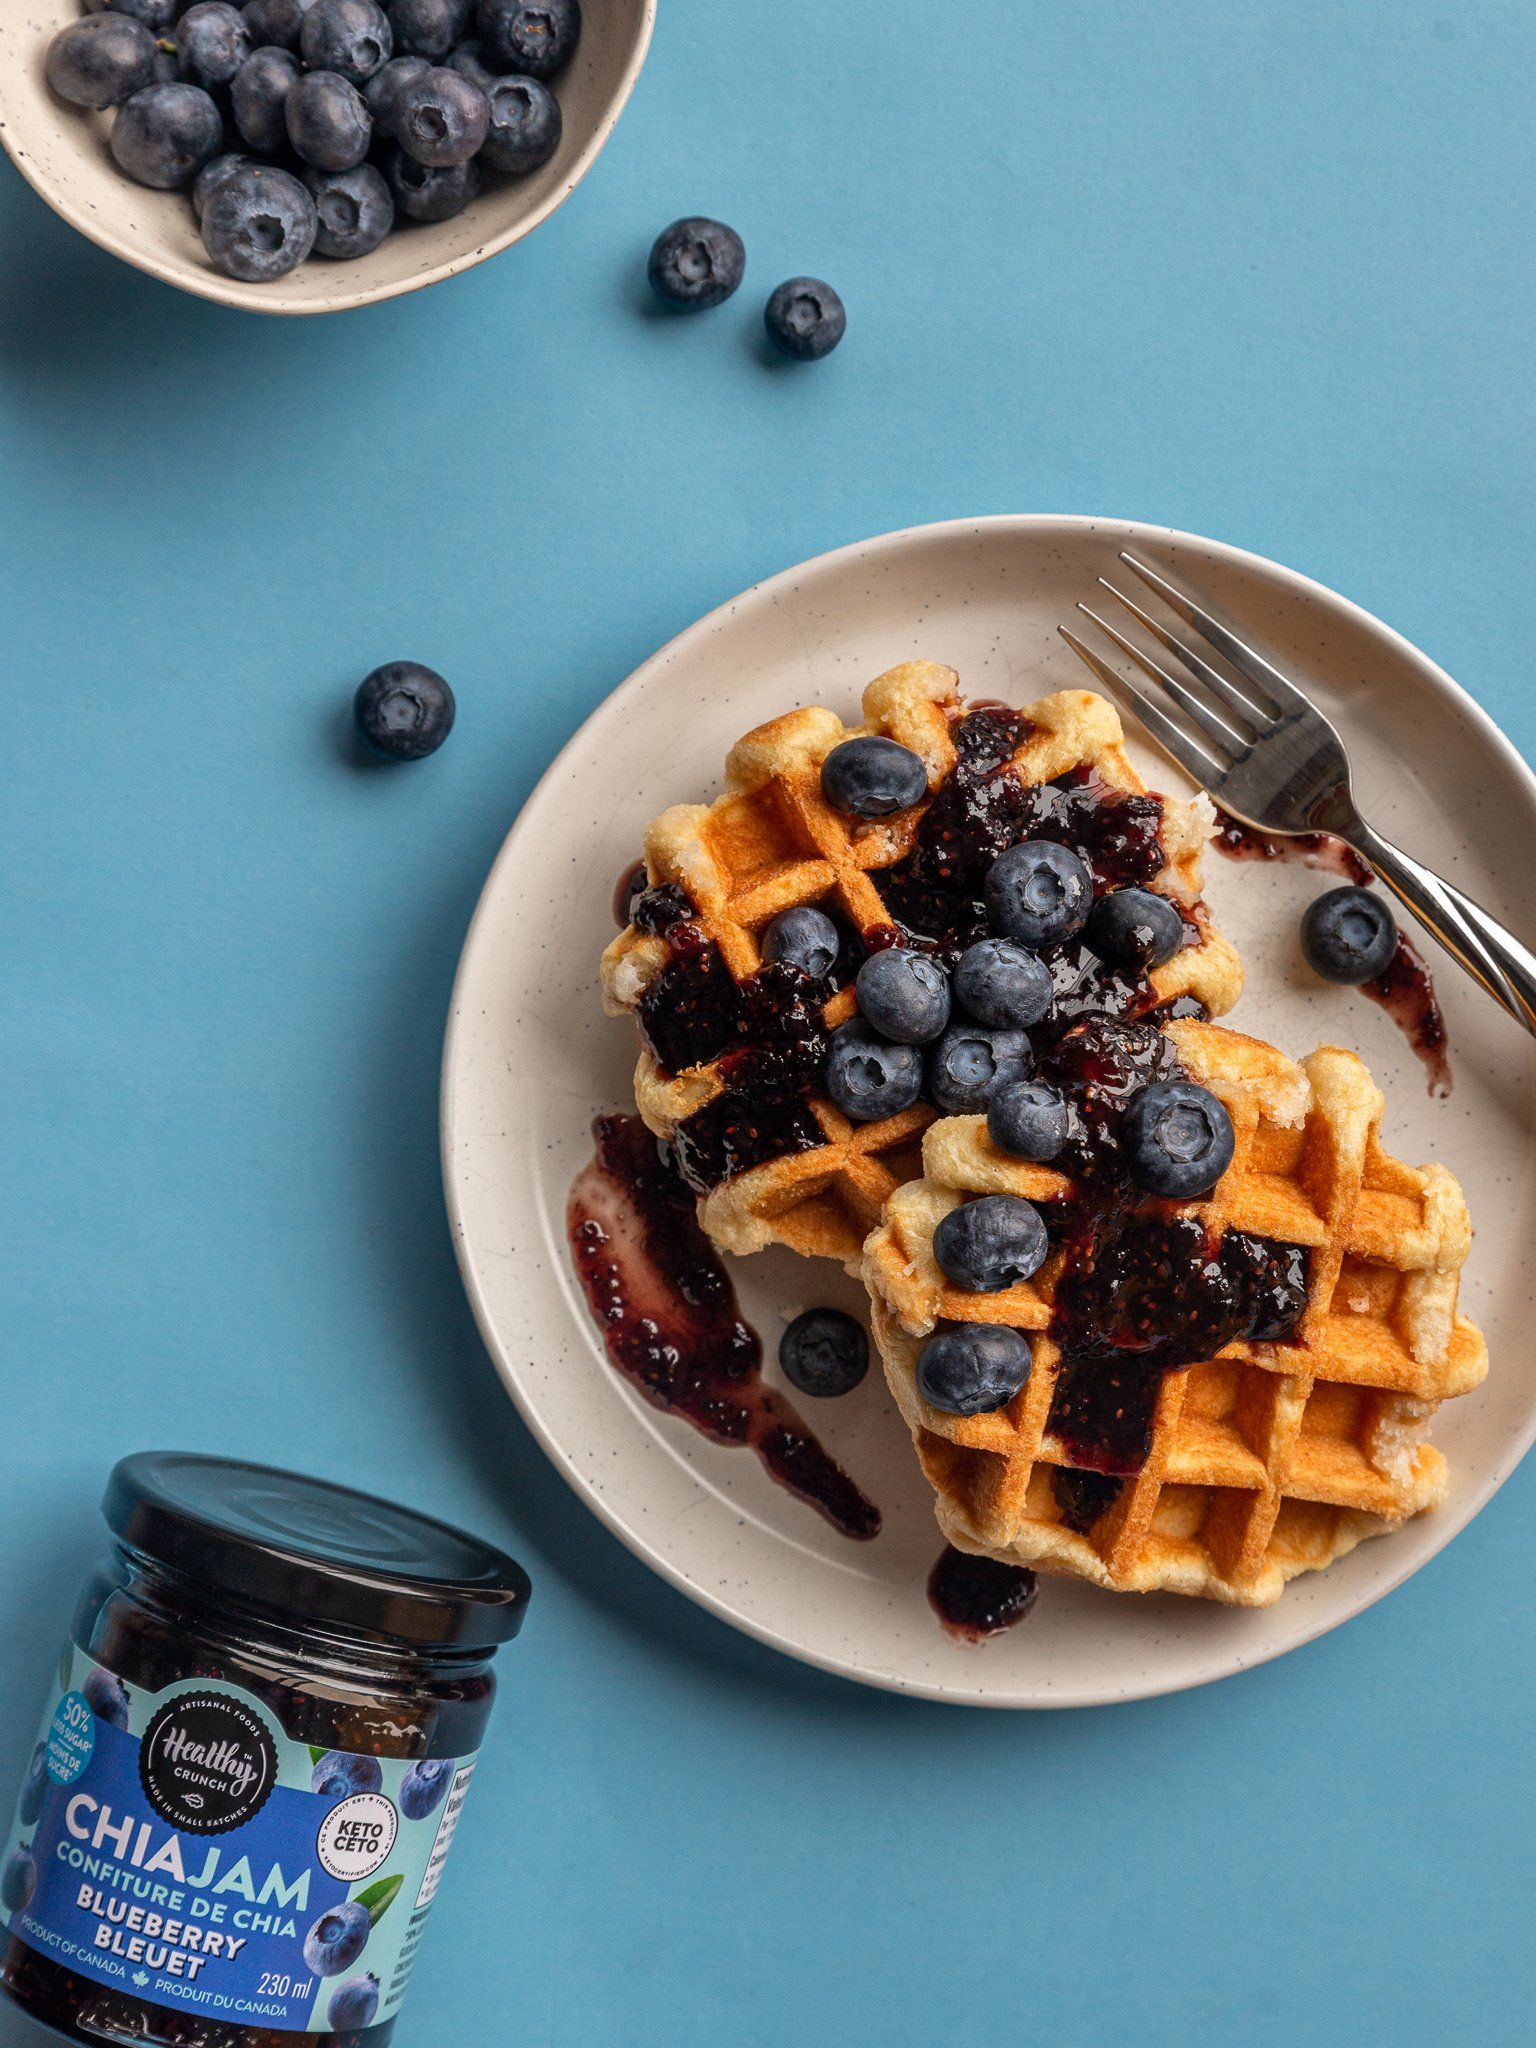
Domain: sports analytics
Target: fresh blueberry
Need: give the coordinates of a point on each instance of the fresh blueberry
(526, 126)
(469, 62)
(274, 24)
(107, 1697)
(805, 938)
(386, 83)
(429, 28)
(1027, 1119)
(903, 995)
(1135, 928)
(18, 1881)
(211, 44)
(867, 1079)
(404, 710)
(337, 1939)
(991, 1243)
(212, 176)
(34, 1785)
(339, 1774)
(328, 121)
(973, 1368)
(1038, 893)
(423, 1786)
(535, 38)
(353, 2005)
(423, 193)
(805, 318)
(349, 36)
(165, 66)
(696, 263)
(101, 61)
(824, 1353)
(260, 93)
(259, 225)
(440, 119)
(165, 134)
(156, 15)
(1177, 1139)
(870, 777)
(354, 211)
(1002, 984)
(1349, 936)
(969, 1062)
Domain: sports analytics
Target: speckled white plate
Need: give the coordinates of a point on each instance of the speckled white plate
(530, 1058)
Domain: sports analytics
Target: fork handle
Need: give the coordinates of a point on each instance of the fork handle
(1490, 953)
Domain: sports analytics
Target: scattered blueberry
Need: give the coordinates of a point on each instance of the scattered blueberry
(212, 176)
(165, 134)
(354, 211)
(440, 119)
(806, 938)
(428, 28)
(1028, 1120)
(424, 193)
(107, 1697)
(969, 1062)
(469, 62)
(404, 710)
(156, 15)
(526, 125)
(389, 80)
(870, 777)
(903, 995)
(259, 94)
(824, 1353)
(18, 1881)
(349, 36)
(535, 38)
(991, 1243)
(328, 121)
(423, 1786)
(696, 263)
(1177, 1138)
(1135, 928)
(274, 24)
(353, 2005)
(867, 1079)
(211, 44)
(259, 224)
(101, 61)
(805, 318)
(34, 1785)
(1348, 936)
(1001, 983)
(973, 1368)
(339, 1774)
(1038, 892)
(337, 1939)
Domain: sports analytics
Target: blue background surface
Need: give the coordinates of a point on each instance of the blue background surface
(1259, 272)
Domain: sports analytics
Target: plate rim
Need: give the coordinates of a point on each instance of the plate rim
(1022, 524)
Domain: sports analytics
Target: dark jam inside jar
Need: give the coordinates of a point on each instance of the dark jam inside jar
(280, 1650)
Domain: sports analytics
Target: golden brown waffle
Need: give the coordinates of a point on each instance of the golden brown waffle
(771, 842)
(1268, 1459)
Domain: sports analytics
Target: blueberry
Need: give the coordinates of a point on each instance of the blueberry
(1177, 1139)
(805, 318)
(354, 211)
(101, 61)
(274, 24)
(404, 710)
(526, 126)
(424, 193)
(805, 938)
(353, 2005)
(1349, 936)
(1001, 983)
(1027, 1119)
(1038, 892)
(423, 1786)
(969, 1062)
(211, 44)
(1135, 928)
(337, 1939)
(213, 175)
(339, 1774)
(440, 119)
(991, 1243)
(156, 15)
(386, 83)
(165, 66)
(107, 1697)
(870, 777)
(866, 1078)
(429, 28)
(29, 1802)
(535, 38)
(328, 122)
(165, 134)
(903, 995)
(259, 225)
(973, 1368)
(696, 263)
(18, 1881)
(260, 93)
(824, 1353)
(349, 36)
(469, 62)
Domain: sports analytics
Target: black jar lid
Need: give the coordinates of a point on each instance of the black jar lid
(316, 1553)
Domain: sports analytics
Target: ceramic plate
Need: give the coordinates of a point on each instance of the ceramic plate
(530, 1059)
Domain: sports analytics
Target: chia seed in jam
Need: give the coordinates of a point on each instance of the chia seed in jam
(977, 1597)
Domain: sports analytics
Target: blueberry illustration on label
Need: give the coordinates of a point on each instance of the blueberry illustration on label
(423, 1786)
(337, 1773)
(353, 2004)
(107, 1698)
(337, 1938)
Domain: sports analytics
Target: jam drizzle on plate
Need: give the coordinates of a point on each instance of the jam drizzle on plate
(977, 1597)
(1307, 849)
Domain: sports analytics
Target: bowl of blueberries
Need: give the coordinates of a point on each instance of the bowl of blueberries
(305, 156)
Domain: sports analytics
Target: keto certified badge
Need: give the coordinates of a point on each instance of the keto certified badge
(357, 1835)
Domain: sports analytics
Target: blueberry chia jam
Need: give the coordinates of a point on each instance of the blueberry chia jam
(258, 1744)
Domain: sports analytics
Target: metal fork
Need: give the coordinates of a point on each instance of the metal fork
(1271, 758)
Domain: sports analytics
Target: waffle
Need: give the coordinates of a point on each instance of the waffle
(1267, 1459)
(815, 1181)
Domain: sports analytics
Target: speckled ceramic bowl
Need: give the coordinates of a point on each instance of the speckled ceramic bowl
(62, 152)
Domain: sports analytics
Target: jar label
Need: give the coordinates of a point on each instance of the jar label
(180, 1848)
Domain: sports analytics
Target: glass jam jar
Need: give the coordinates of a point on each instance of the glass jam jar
(260, 1737)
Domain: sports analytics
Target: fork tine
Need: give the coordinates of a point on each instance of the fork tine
(1283, 694)
(1210, 722)
(1175, 742)
(1220, 686)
